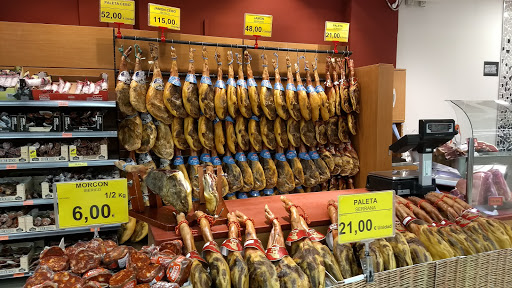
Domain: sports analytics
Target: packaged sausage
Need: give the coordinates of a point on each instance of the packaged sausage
(116, 258)
(109, 245)
(97, 246)
(175, 246)
(41, 275)
(100, 275)
(143, 285)
(52, 251)
(75, 248)
(83, 261)
(47, 284)
(55, 263)
(67, 280)
(162, 284)
(123, 279)
(138, 260)
(151, 273)
(178, 270)
(93, 284)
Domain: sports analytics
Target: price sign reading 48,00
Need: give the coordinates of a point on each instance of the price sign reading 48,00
(365, 216)
(89, 203)
(258, 25)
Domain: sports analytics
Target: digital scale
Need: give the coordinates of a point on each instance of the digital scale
(432, 134)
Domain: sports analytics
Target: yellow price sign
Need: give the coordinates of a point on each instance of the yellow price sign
(336, 31)
(117, 11)
(77, 164)
(366, 216)
(87, 203)
(163, 16)
(258, 25)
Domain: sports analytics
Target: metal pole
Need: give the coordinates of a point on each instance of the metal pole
(469, 170)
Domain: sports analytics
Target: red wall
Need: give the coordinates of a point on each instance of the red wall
(373, 29)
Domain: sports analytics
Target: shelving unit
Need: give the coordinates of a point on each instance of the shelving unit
(58, 135)
(58, 232)
(51, 103)
(31, 202)
(40, 165)
(16, 275)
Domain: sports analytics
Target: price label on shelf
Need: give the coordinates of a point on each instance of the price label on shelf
(495, 200)
(117, 11)
(336, 31)
(87, 203)
(163, 16)
(365, 216)
(77, 164)
(258, 25)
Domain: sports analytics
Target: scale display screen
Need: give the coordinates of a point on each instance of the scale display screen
(439, 128)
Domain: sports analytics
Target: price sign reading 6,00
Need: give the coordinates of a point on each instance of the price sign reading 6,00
(163, 16)
(258, 25)
(120, 11)
(92, 203)
(365, 216)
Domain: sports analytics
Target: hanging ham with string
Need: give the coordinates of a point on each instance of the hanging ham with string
(206, 92)
(155, 95)
(267, 102)
(190, 93)
(138, 87)
(123, 84)
(172, 91)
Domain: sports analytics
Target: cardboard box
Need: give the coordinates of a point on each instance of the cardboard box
(14, 124)
(19, 229)
(22, 159)
(24, 184)
(41, 187)
(64, 155)
(24, 259)
(56, 125)
(98, 126)
(74, 157)
(29, 223)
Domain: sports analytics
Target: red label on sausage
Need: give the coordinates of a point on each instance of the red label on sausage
(296, 235)
(276, 252)
(470, 214)
(314, 235)
(194, 255)
(174, 269)
(254, 243)
(95, 272)
(211, 246)
(231, 244)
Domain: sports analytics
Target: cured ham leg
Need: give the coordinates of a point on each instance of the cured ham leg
(198, 275)
(293, 160)
(155, 96)
(285, 180)
(336, 84)
(254, 133)
(279, 97)
(292, 100)
(314, 98)
(329, 88)
(266, 96)
(325, 107)
(293, 132)
(302, 95)
(289, 273)
(123, 84)
(138, 87)
(354, 90)
(343, 253)
(190, 93)
(219, 269)
(244, 105)
(242, 136)
(221, 102)
(178, 133)
(303, 251)
(231, 88)
(206, 92)
(344, 87)
(261, 271)
(230, 134)
(172, 91)
(252, 89)
(237, 266)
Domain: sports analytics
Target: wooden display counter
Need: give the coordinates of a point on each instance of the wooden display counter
(314, 203)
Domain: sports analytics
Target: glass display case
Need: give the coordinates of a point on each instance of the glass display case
(487, 165)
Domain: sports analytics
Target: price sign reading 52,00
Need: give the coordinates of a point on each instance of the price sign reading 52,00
(89, 203)
(119, 11)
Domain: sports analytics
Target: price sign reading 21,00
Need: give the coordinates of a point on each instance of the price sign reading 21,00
(88, 203)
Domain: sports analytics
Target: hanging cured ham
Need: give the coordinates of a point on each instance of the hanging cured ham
(179, 164)
(241, 133)
(205, 132)
(206, 91)
(123, 84)
(164, 144)
(352, 123)
(279, 97)
(311, 174)
(343, 130)
(193, 174)
(298, 172)
(293, 131)
(248, 180)
(190, 92)
(191, 134)
(302, 95)
(307, 132)
(221, 178)
(231, 88)
(178, 133)
(155, 95)
(255, 133)
(130, 132)
(280, 132)
(336, 84)
(285, 180)
(354, 90)
(344, 87)
(329, 88)
(322, 168)
(289, 273)
(199, 277)
(261, 271)
(327, 158)
(270, 169)
(332, 130)
(314, 98)
(230, 134)
(138, 87)
(220, 140)
(242, 95)
(267, 133)
(233, 173)
(172, 91)
(292, 100)
(233, 247)
(336, 159)
(221, 102)
(148, 134)
(252, 88)
(321, 132)
(325, 109)
(267, 103)
(172, 187)
(258, 174)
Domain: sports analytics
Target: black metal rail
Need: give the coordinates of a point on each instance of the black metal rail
(344, 53)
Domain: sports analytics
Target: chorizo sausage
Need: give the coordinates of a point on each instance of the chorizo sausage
(67, 280)
(179, 270)
(175, 246)
(150, 273)
(109, 245)
(52, 251)
(83, 261)
(55, 263)
(143, 285)
(138, 260)
(97, 246)
(100, 275)
(161, 284)
(92, 284)
(123, 279)
(116, 257)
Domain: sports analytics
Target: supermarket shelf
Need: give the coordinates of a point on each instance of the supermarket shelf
(16, 275)
(57, 135)
(31, 202)
(51, 103)
(27, 235)
(35, 165)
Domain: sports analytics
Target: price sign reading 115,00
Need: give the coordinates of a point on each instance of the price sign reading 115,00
(258, 25)
(365, 216)
(163, 16)
(88, 203)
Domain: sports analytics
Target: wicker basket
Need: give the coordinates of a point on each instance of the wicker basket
(490, 269)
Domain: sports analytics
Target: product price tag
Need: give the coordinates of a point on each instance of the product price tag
(495, 200)
(365, 216)
(87, 203)
(163, 16)
(336, 31)
(118, 11)
(77, 164)
(258, 25)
